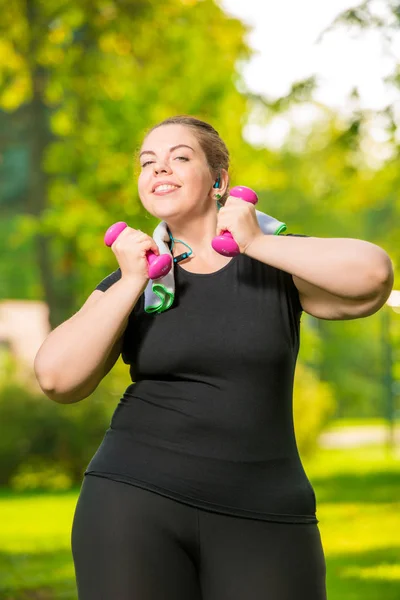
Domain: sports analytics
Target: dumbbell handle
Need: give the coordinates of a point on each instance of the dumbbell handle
(224, 243)
(159, 265)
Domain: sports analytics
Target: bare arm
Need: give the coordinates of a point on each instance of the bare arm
(77, 354)
(337, 278)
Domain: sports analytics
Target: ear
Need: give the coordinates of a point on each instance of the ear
(223, 185)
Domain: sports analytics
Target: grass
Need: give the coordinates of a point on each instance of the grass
(35, 555)
(358, 422)
(358, 508)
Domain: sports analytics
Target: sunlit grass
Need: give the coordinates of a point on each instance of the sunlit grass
(377, 572)
(36, 523)
(359, 518)
(368, 459)
(358, 506)
(35, 545)
(357, 422)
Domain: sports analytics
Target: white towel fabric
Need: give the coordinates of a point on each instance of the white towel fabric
(159, 293)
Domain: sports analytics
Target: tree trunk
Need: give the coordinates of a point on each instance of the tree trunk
(39, 137)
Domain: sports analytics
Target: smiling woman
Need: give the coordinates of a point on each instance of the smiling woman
(200, 459)
(206, 142)
(182, 160)
(197, 489)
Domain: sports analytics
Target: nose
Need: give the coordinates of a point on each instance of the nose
(161, 168)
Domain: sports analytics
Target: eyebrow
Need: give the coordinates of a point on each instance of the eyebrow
(171, 149)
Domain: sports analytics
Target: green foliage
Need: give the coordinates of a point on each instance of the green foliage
(94, 77)
(47, 445)
(328, 190)
(40, 475)
(313, 405)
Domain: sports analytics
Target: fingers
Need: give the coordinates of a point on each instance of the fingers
(140, 237)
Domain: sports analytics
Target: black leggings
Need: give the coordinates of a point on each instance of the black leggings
(129, 543)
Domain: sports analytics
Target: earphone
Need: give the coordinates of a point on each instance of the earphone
(187, 254)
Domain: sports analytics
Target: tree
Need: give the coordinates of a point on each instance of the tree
(85, 80)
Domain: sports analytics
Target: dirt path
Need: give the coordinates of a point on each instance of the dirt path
(351, 437)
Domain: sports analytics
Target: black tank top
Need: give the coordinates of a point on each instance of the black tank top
(208, 419)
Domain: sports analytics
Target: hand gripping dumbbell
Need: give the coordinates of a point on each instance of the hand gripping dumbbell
(224, 243)
(159, 265)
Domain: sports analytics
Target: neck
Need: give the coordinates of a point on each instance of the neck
(197, 234)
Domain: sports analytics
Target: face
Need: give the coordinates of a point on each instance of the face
(175, 178)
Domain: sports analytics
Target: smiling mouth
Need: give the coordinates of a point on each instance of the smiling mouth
(162, 190)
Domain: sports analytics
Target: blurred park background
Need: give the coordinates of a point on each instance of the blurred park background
(80, 82)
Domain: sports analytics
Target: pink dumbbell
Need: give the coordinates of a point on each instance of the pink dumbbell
(159, 265)
(224, 243)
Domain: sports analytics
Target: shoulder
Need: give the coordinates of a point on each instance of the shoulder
(109, 280)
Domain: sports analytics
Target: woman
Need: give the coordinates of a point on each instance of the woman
(197, 491)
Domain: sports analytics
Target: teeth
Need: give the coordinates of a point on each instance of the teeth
(161, 188)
